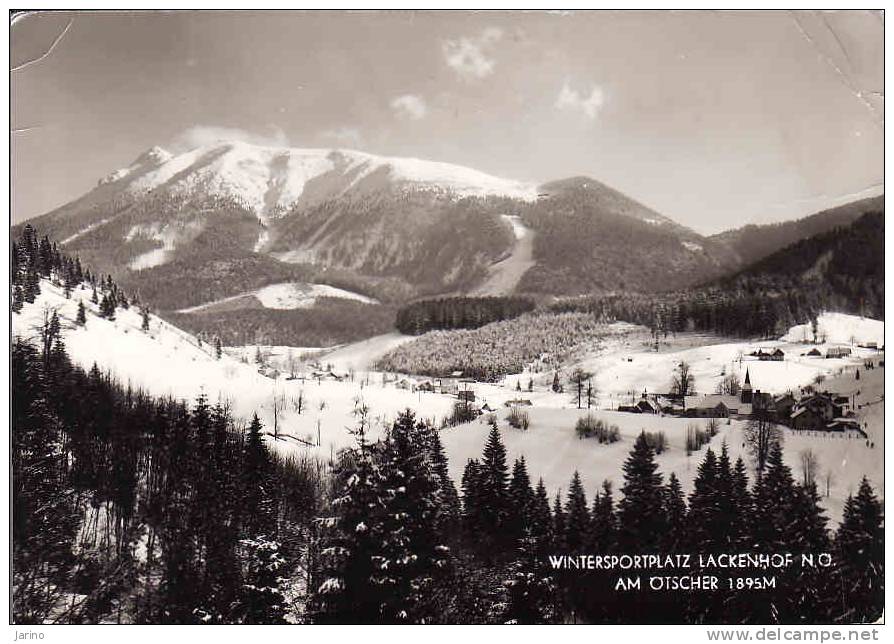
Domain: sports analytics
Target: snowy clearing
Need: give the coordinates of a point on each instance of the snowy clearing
(840, 328)
(295, 295)
(504, 276)
(284, 296)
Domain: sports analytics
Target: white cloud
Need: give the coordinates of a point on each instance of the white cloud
(571, 99)
(410, 106)
(200, 135)
(468, 56)
(346, 135)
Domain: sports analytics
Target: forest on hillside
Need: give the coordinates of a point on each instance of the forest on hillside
(492, 351)
(458, 313)
(840, 270)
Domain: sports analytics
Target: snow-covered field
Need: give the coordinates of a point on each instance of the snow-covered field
(294, 295)
(840, 328)
(553, 451)
(284, 296)
(168, 361)
(629, 364)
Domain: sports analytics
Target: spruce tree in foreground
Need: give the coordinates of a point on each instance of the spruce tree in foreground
(541, 519)
(860, 558)
(472, 508)
(347, 592)
(604, 524)
(558, 523)
(493, 494)
(44, 520)
(675, 508)
(521, 499)
(530, 589)
(577, 526)
(412, 557)
(81, 318)
(451, 511)
(641, 518)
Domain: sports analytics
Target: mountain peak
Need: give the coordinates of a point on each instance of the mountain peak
(153, 156)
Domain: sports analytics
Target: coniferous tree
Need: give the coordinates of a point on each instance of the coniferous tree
(44, 520)
(675, 508)
(413, 557)
(81, 318)
(258, 500)
(541, 519)
(107, 307)
(577, 526)
(492, 485)
(604, 523)
(520, 499)
(18, 298)
(773, 500)
(348, 592)
(704, 505)
(32, 285)
(773, 531)
(451, 510)
(559, 522)
(470, 501)
(860, 558)
(641, 518)
(742, 501)
(811, 600)
(531, 591)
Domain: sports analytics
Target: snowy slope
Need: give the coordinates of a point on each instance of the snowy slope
(167, 361)
(840, 328)
(270, 179)
(284, 296)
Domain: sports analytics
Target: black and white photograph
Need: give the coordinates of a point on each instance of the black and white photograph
(504, 317)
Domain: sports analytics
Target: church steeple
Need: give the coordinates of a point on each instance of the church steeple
(746, 388)
(747, 377)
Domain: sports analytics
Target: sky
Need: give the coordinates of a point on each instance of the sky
(714, 119)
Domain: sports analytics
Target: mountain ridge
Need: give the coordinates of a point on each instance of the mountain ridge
(218, 220)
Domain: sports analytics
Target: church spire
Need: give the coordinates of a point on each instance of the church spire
(746, 396)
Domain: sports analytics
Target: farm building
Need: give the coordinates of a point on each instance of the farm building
(715, 406)
(838, 352)
(775, 355)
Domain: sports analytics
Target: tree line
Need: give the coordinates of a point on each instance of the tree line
(458, 313)
(32, 259)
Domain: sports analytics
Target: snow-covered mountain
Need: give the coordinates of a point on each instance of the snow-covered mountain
(229, 218)
(271, 180)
